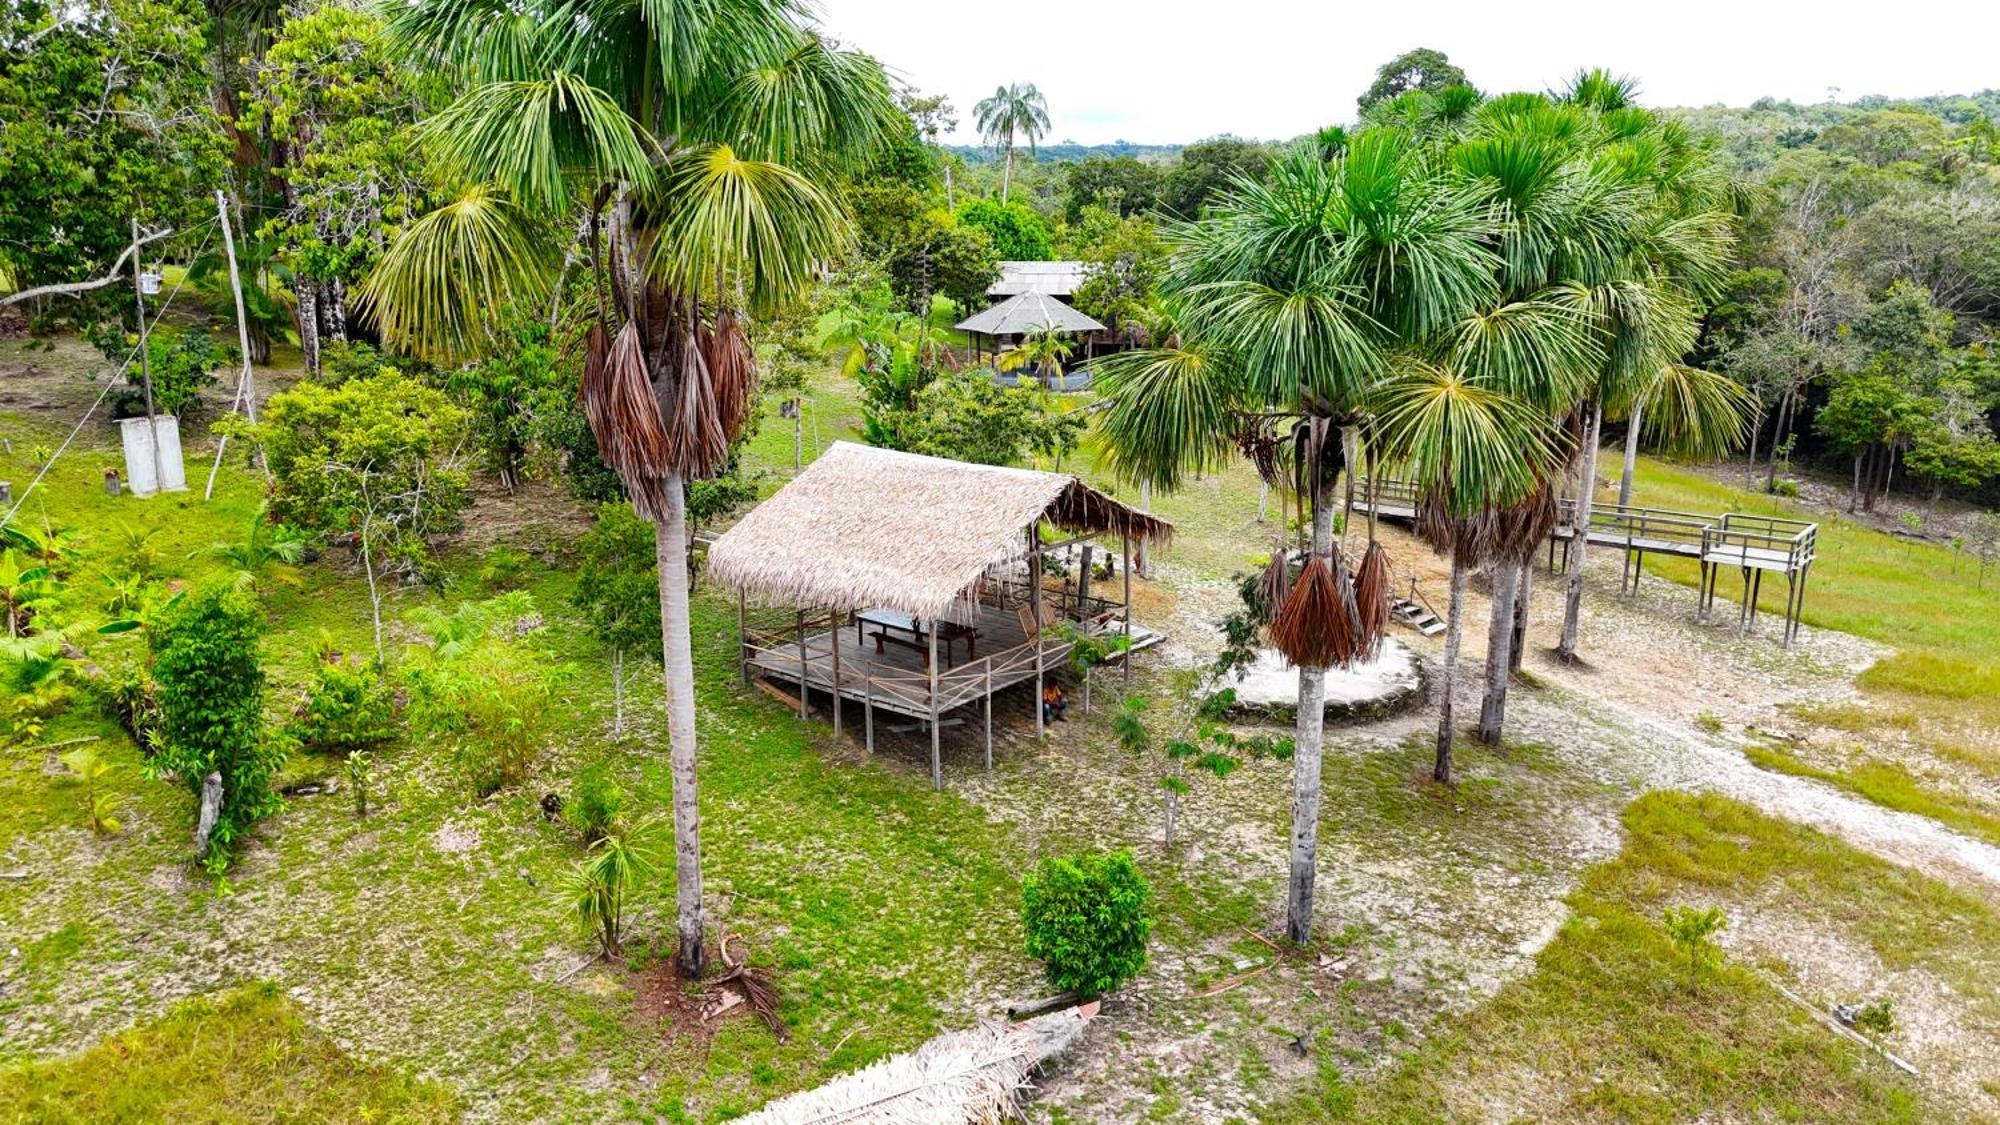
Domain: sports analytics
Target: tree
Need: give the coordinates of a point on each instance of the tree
(210, 689)
(1209, 168)
(1125, 260)
(695, 148)
(501, 392)
(966, 416)
(939, 253)
(1419, 69)
(103, 118)
(374, 463)
(1122, 185)
(1014, 109)
(1017, 233)
(618, 593)
(1088, 919)
(339, 112)
(1291, 297)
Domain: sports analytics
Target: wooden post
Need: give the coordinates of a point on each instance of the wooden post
(742, 642)
(868, 713)
(1125, 564)
(800, 618)
(246, 383)
(937, 764)
(1035, 617)
(989, 712)
(833, 637)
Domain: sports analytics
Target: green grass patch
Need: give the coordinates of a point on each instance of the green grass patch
(1606, 1026)
(244, 1055)
(1889, 785)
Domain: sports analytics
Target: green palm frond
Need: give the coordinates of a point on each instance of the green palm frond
(530, 137)
(1541, 351)
(1165, 413)
(816, 105)
(449, 275)
(1694, 413)
(1471, 445)
(1309, 344)
(758, 226)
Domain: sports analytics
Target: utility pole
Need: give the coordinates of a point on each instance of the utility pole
(246, 382)
(145, 362)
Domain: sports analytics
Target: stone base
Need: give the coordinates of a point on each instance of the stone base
(1390, 683)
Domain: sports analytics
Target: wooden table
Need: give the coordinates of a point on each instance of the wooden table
(887, 622)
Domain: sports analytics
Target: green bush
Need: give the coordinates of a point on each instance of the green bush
(1785, 488)
(1088, 918)
(593, 810)
(348, 707)
(210, 690)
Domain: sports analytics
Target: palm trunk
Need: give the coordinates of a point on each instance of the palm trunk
(1007, 175)
(1631, 456)
(1579, 544)
(678, 666)
(1173, 802)
(1454, 632)
(1499, 649)
(1309, 739)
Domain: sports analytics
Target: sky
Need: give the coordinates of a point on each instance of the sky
(1173, 71)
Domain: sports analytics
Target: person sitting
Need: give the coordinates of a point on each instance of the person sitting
(1054, 703)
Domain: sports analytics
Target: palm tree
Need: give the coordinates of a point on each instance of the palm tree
(693, 141)
(1293, 296)
(1044, 349)
(1019, 108)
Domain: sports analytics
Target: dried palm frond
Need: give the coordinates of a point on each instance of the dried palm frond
(1371, 597)
(759, 990)
(1312, 628)
(624, 415)
(1276, 582)
(732, 372)
(696, 442)
(973, 1076)
(1521, 527)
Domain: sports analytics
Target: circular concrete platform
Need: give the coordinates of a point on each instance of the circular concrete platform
(1388, 684)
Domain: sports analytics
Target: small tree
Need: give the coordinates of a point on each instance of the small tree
(1088, 920)
(348, 708)
(375, 463)
(210, 690)
(603, 882)
(617, 590)
(1693, 932)
(1983, 540)
(100, 806)
(1207, 747)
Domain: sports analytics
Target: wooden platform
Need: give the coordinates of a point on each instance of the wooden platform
(896, 679)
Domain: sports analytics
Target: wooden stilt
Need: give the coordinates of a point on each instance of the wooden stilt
(1125, 566)
(868, 712)
(742, 641)
(833, 636)
(989, 712)
(800, 618)
(937, 763)
(1035, 616)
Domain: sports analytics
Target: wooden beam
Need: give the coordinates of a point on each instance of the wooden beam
(937, 763)
(833, 638)
(1125, 565)
(1035, 616)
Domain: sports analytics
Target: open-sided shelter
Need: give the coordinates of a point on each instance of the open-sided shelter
(918, 583)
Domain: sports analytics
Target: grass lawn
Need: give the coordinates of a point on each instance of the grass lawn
(243, 1055)
(1607, 1027)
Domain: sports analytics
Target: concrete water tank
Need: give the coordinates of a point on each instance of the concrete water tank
(139, 463)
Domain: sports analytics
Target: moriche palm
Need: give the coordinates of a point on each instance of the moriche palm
(693, 140)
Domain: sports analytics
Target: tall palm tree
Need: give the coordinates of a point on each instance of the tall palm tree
(1018, 108)
(1292, 297)
(693, 140)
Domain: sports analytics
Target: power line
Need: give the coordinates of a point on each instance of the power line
(108, 384)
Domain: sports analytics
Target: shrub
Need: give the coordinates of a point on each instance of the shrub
(1088, 919)
(594, 810)
(1692, 932)
(482, 690)
(1786, 488)
(100, 805)
(602, 882)
(1878, 1017)
(347, 708)
(210, 689)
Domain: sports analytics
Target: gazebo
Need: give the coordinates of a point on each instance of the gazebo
(1024, 313)
(917, 583)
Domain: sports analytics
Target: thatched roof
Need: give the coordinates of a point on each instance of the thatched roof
(1028, 312)
(863, 527)
(1060, 279)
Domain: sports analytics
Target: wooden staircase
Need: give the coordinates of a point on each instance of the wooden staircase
(1417, 616)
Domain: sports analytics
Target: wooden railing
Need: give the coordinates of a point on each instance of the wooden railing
(1762, 540)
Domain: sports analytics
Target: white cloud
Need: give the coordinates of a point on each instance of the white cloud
(1173, 70)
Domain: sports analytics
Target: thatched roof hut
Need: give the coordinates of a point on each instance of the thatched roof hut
(863, 527)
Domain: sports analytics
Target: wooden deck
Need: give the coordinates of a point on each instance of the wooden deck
(896, 678)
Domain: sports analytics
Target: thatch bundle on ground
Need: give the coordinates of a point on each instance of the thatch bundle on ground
(974, 1076)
